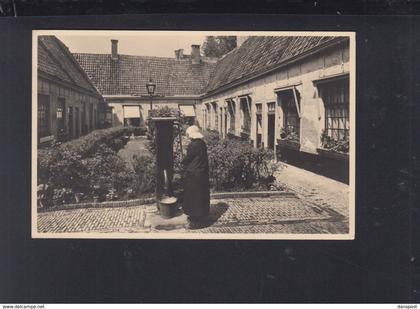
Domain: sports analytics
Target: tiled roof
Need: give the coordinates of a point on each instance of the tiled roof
(258, 54)
(129, 74)
(55, 59)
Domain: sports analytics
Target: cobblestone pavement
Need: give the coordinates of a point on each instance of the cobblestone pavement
(118, 219)
(284, 214)
(323, 191)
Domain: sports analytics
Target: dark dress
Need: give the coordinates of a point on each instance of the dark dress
(196, 201)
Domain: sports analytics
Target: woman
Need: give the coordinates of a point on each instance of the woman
(196, 201)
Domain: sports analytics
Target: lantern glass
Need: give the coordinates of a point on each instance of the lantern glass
(151, 86)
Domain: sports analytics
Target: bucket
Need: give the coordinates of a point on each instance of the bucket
(168, 206)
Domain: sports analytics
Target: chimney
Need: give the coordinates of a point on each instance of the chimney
(195, 54)
(240, 40)
(114, 49)
(179, 54)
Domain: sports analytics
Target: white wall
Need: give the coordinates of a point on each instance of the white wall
(118, 107)
(326, 63)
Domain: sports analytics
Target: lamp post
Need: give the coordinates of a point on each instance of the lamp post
(151, 86)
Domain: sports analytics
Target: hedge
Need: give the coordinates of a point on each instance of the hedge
(236, 165)
(86, 168)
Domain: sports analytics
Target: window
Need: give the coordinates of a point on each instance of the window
(189, 113)
(132, 115)
(84, 126)
(246, 113)
(259, 124)
(290, 102)
(61, 115)
(271, 107)
(335, 96)
(43, 115)
(91, 126)
(208, 116)
(77, 119)
(216, 118)
(231, 112)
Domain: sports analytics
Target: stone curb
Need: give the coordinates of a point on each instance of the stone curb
(225, 195)
(152, 200)
(107, 204)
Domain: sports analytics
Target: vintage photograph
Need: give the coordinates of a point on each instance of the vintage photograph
(193, 134)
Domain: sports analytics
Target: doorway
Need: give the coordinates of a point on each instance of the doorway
(71, 133)
(226, 122)
(221, 122)
(77, 125)
(270, 131)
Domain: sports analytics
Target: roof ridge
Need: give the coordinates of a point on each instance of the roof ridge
(125, 55)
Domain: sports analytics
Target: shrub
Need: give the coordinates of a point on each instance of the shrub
(88, 165)
(145, 174)
(140, 131)
(339, 146)
(106, 171)
(236, 164)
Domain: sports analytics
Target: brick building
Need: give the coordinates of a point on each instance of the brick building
(280, 92)
(68, 103)
(284, 93)
(122, 79)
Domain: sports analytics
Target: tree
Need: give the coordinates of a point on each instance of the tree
(217, 46)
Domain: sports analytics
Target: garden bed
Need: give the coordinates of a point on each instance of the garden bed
(87, 169)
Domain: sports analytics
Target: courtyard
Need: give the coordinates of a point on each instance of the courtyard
(98, 171)
(303, 208)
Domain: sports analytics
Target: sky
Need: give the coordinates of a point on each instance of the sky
(161, 45)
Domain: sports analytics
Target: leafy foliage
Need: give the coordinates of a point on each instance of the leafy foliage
(217, 46)
(235, 164)
(335, 145)
(289, 134)
(86, 167)
(145, 173)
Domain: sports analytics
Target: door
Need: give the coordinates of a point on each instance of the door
(61, 119)
(270, 131)
(225, 122)
(221, 122)
(71, 133)
(84, 125)
(77, 124)
(259, 130)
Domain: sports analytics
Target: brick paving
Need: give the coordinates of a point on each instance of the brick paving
(92, 220)
(323, 191)
(284, 214)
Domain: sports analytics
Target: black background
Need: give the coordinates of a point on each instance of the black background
(381, 265)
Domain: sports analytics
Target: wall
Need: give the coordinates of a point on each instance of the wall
(144, 103)
(302, 74)
(73, 99)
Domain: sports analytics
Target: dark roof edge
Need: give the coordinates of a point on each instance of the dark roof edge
(286, 62)
(77, 64)
(57, 80)
(145, 97)
(57, 62)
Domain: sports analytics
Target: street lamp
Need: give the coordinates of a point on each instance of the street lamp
(151, 86)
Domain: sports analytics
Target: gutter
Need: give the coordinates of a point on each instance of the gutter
(268, 71)
(145, 98)
(75, 87)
